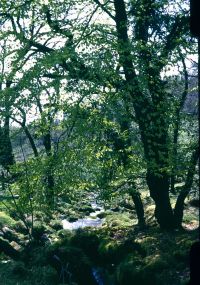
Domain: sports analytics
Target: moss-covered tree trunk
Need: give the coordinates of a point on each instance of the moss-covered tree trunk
(138, 207)
(150, 115)
(179, 207)
(156, 149)
(159, 191)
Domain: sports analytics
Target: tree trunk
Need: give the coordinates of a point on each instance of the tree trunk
(31, 140)
(179, 207)
(138, 207)
(159, 191)
(174, 155)
(49, 176)
(6, 151)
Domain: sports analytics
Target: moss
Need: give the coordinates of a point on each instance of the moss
(72, 216)
(74, 261)
(114, 251)
(65, 234)
(44, 275)
(155, 263)
(148, 243)
(38, 230)
(56, 225)
(6, 220)
(19, 269)
(72, 219)
(102, 215)
(20, 227)
(88, 241)
(153, 270)
(86, 209)
(130, 271)
(119, 220)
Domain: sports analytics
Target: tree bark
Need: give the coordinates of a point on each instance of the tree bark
(49, 176)
(159, 191)
(151, 118)
(6, 151)
(138, 207)
(177, 125)
(32, 143)
(179, 207)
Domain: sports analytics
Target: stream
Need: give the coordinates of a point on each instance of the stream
(91, 221)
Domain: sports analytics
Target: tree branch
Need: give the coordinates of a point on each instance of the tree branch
(102, 6)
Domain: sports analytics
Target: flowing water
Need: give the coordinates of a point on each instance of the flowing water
(91, 221)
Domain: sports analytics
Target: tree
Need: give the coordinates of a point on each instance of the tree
(127, 55)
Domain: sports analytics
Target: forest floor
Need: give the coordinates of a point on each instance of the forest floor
(117, 253)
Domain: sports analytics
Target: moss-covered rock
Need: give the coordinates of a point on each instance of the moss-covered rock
(38, 230)
(119, 220)
(130, 271)
(87, 241)
(86, 209)
(65, 234)
(73, 218)
(8, 250)
(102, 215)
(20, 227)
(56, 225)
(153, 270)
(72, 262)
(155, 263)
(9, 234)
(114, 251)
(6, 220)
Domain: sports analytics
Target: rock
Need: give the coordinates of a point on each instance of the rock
(87, 209)
(75, 264)
(56, 225)
(115, 209)
(72, 219)
(102, 215)
(10, 234)
(45, 239)
(20, 227)
(194, 203)
(8, 250)
(15, 245)
(38, 230)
